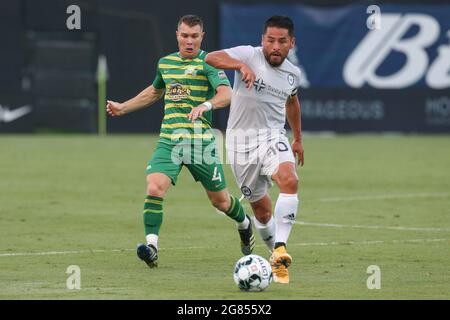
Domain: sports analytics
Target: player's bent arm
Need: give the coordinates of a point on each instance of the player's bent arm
(145, 98)
(222, 98)
(221, 60)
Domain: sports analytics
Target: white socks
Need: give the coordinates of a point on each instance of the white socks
(285, 214)
(244, 224)
(153, 240)
(267, 232)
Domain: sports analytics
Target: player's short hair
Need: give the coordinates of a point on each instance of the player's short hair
(191, 20)
(283, 22)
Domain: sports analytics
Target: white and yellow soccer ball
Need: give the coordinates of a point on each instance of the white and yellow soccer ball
(252, 273)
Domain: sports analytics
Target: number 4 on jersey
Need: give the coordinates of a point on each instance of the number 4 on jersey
(216, 175)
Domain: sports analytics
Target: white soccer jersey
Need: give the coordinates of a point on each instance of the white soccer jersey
(259, 114)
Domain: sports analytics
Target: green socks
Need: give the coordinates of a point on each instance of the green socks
(153, 214)
(236, 211)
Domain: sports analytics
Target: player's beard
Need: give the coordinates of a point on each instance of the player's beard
(274, 64)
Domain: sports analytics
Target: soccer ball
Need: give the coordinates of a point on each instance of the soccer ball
(252, 273)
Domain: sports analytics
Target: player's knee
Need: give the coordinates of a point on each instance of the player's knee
(289, 184)
(262, 211)
(155, 190)
(263, 217)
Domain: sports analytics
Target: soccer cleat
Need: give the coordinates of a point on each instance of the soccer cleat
(280, 274)
(148, 254)
(280, 261)
(247, 238)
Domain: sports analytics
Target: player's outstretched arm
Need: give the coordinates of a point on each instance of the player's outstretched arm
(145, 98)
(293, 113)
(222, 99)
(222, 60)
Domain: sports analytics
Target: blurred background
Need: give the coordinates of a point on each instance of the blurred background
(368, 66)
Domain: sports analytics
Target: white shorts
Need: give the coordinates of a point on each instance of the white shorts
(253, 170)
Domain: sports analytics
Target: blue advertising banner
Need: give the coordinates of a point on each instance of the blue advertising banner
(356, 46)
(365, 68)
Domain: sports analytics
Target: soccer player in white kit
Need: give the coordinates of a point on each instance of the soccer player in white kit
(257, 147)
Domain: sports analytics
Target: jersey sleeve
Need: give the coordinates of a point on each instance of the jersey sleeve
(158, 83)
(216, 77)
(298, 75)
(241, 53)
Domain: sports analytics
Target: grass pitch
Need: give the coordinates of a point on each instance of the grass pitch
(365, 200)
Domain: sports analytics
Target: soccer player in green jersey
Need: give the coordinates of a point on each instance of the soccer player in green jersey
(185, 81)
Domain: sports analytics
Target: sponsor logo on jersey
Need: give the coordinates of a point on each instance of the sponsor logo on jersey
(262, 87)
(177, 92)
(259, 84)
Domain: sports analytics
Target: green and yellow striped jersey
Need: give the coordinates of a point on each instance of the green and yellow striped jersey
(188, 83)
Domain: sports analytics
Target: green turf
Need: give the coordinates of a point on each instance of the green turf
(83, 195)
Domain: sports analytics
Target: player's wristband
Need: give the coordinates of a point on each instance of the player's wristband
(208, 105)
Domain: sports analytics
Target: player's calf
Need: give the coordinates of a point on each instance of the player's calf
(222, 204)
